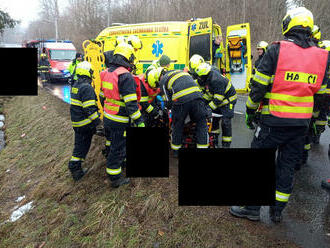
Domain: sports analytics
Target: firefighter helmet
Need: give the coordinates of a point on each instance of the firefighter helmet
(153, 77)
(316, 32)
(119, 40)
(325, 44)
(84, 69)
(300, 16)
(194, 62)
(135, 42)
(126, 51)
(262, 45)
(203, 69)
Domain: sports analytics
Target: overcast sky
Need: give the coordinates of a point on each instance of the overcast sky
(24, 10)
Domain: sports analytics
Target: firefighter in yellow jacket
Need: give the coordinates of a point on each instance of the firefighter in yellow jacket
(291, 72)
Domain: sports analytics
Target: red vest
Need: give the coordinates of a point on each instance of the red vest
(299, 75)
(150, 91)
(109, 86)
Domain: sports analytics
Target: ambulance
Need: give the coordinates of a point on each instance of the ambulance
(177, 39)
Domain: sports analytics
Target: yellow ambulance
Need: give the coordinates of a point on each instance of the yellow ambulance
(178, 39)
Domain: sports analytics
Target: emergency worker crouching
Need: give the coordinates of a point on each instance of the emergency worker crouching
(184, 98)
(84, 117)
(220, 96)
(289, 75)
(118, 92)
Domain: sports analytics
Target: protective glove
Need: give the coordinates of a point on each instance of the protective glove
(329, 121)
(141, 124)
(249, 118)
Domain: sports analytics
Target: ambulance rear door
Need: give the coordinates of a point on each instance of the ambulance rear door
(200, 39)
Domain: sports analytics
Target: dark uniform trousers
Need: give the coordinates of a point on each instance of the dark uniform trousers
(117, 149)
(82, 143)
(197, 112)
(289, 142)
(227, 113)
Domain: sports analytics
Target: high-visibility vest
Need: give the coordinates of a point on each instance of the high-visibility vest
(109, 86)
(299, 75)
(152, 93)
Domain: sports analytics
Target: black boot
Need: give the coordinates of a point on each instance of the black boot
(244, 212)
(76, 171)
(119, 182)
(226, 144)
(275, 215)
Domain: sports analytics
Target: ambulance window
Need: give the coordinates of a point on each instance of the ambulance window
(200, 45)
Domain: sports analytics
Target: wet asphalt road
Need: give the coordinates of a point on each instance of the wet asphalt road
(306, 220)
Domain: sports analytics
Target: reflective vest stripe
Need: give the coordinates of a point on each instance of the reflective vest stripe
(93, 116)
(89, 103)
(107, 142)
(219, 97)
(113, 171)
(175, 147)
(171, 81)
(307, 147)
(117, 118)
(321, 123)
(262, 78)
(282, 197)
(120, 103)
(76, 102)
(145, 99)
(150, 108)
(73, 158)
(136, 115)
(81, 123)
(226, 138)
(184, 92)
(130, 97)
(228, 87)
(107, 85)
(212, 105)
(283, 97)
(202, 145)
(251, 104)
(101, 94)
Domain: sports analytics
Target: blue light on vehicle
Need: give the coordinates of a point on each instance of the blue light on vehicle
(66, 93)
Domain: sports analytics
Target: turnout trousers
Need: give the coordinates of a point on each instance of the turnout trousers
(196, 109)
(227, 113)
(82, 143)
(289, 142)
(117, 149)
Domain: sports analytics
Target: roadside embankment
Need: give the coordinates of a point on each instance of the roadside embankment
(62, 213)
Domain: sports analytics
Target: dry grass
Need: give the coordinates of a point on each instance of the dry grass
(89, 213)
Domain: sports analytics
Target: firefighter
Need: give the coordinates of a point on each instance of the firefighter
(184, 98)
(261, 50)
(118, 91)
(325, 44)
(84, 117)
(72, 67)
(109, 54)
(149, 109)
(319, 118)
(43, 68)
(220, 95)
(289, 75)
